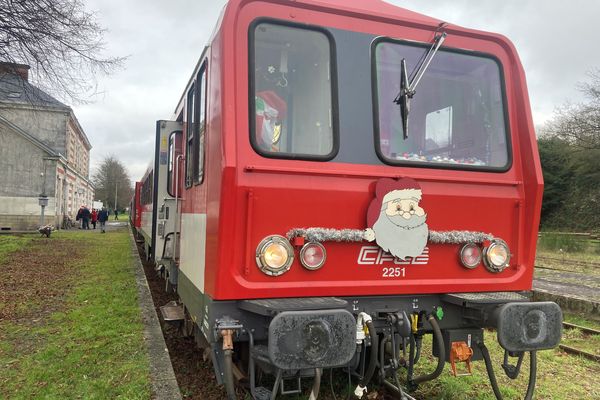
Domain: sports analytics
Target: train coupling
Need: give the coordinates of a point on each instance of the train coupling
(528, 326)
(521, 325)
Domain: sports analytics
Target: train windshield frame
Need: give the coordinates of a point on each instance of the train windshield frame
(292, 91)
(458, 116)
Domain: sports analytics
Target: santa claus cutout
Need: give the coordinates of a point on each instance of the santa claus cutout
(396, 221)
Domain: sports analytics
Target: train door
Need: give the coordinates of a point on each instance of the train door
(167, 133)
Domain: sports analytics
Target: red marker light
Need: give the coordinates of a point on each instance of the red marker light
(313, 255)
(470, 255)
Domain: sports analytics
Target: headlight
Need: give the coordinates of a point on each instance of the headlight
(496, 256)
(274, 255)
(470, 255)
(312, 255)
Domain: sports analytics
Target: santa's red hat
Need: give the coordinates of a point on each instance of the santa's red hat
(388, 189)
(405, 188)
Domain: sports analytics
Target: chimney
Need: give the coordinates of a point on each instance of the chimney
(16, 69)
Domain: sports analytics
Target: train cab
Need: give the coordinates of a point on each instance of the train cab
(351, 177)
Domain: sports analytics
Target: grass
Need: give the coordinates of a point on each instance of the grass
(12, 243)
(560, 376)
(91, 346)
(568, 244)
(576, 338)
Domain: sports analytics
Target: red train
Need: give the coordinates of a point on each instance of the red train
(339, 179)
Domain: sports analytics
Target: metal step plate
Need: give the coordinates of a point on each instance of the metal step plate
(262, 393)
(270, 307)
(464, 299)
(172, 312)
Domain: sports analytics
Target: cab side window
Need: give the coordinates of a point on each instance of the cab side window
(190, 135)
(291, 111)
(201, 133)
(196, 129)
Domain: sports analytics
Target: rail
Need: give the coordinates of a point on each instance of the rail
(578, 352)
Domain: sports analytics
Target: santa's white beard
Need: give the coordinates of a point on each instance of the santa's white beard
(395, 238)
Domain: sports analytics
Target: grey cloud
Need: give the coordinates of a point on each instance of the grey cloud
(555, 41)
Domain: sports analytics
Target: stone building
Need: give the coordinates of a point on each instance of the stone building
(44, 152)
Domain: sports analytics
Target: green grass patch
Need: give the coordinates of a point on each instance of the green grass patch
(576, 338)
(560, 376)
(12, 243)
(92, 346)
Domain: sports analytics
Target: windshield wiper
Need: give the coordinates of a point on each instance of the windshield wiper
(408, 86)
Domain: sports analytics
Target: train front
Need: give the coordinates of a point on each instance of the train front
(386, 186)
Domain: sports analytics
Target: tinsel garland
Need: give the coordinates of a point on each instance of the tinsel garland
(327, 234)
(457, 237)
(358, 235)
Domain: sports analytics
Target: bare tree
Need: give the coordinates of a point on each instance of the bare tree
(61, 42)
(579, 124)
(570, 155)
(112, 182)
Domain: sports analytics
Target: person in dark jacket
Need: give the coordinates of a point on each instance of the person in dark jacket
(102, 218)
(85, 217)
(79, 216)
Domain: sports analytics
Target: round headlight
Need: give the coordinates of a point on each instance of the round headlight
(274, 255)
(470, 255)
(496, 256)
(312, 255)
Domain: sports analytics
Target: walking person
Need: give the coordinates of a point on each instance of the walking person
(79, 216)
(102, 218)
(116, 214)
(85, 217)
(94, 217)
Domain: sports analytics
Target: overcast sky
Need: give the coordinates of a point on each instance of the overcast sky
(163, 39)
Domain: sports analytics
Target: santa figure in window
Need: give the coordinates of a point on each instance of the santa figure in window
(270, 113)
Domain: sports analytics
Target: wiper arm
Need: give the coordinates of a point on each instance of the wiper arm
(408, 87)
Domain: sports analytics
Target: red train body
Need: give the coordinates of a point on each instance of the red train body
(135, 207)
(291, 135)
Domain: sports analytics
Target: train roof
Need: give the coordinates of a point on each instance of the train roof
(377, 8)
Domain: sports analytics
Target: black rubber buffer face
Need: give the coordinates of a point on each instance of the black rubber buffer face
(312, 339)
(529, 326)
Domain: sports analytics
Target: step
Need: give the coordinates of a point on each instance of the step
(172, 312)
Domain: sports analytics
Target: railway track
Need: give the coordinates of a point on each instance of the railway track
(575, 351)
(568, 261)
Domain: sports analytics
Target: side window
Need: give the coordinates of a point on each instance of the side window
(201, 132)
(291, 86)
(190, 134)
(147, 189)
(174, 151)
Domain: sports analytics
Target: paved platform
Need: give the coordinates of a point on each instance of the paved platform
(578, 292)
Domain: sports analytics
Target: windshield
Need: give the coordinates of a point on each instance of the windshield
(457, 117)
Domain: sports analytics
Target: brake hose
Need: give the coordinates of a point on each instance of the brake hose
(490, 371)
(362, 385)
(441, 355)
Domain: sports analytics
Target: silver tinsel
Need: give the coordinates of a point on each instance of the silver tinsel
(457, 237)
(357, 235)
(327, 234)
